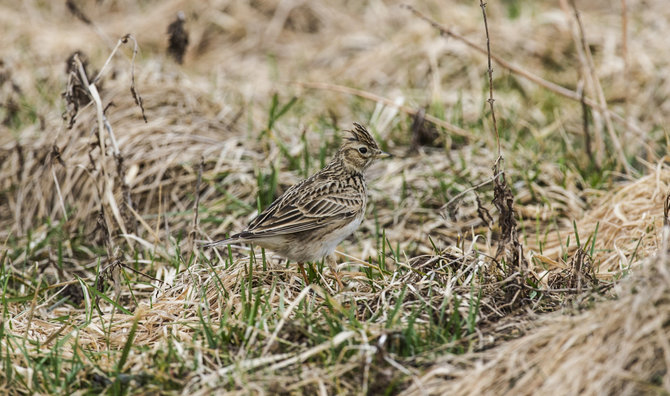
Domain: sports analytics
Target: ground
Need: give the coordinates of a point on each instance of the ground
(524, 255)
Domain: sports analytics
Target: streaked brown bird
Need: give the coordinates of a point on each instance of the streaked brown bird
(308, 221)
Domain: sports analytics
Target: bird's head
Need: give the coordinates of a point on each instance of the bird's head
(360, 150)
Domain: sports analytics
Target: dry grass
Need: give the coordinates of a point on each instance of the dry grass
(428, 306)
(619, 348)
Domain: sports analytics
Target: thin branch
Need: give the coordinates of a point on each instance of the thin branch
(599, 91)
(571, 289)
(624, 55)
(109, 59)
(553, 87)
(56, 157)
(388, 102)
(666, 210)
(462, 193)
(60, 196)
(196, 224)
(133, 90)
(490, 72)
(585, 126)
(79, 14)
(126, 266)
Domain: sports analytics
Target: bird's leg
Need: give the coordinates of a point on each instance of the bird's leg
(304, 274)
(333, 268)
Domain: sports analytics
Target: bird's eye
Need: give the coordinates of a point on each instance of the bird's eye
(363, 150)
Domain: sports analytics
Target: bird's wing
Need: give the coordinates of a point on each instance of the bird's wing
(306, 207)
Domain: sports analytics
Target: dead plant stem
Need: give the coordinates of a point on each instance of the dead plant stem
(553, 87)
(388, 102)
(490, 72)
(590, 64)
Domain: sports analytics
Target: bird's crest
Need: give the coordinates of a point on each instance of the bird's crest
(360, 134)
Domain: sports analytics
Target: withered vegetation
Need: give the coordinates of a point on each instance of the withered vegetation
(532, 260)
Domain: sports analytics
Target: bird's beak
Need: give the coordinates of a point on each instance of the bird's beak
(382, 154)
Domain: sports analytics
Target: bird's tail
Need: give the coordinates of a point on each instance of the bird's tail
(223, 242)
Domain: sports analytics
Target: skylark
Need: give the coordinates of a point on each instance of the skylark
(312, 217)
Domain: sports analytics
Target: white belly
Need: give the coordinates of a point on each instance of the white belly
(315, 249)
(334, 238)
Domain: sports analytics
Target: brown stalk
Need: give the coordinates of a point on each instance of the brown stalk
(666, 210)
(503, 199)
(624, 55)
(585, 127)
(553, 87)
(79, 14)
(590, 65)
(388, 102)
(133, 90)
(103, 196)
(195, 226)
(490, 73)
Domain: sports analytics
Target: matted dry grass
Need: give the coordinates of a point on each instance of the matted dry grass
(621, 347)
(136, 207)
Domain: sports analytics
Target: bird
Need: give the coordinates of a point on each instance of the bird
(312, 217)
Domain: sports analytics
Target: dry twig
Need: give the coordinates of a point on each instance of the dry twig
(590, 65)
(567, 93)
